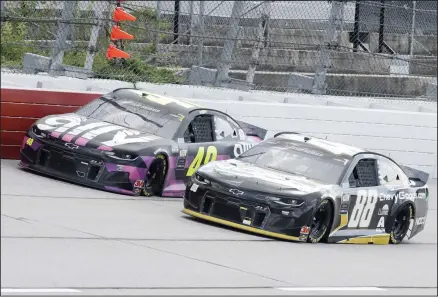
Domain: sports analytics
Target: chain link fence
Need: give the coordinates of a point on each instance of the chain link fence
(347, 48)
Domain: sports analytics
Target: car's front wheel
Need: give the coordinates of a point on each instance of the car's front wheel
(156, 176)
(401, 224)
(321, 222)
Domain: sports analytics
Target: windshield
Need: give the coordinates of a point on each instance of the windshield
(132, 114)
(297, 160)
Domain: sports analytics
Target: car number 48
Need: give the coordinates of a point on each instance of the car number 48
(363, 209)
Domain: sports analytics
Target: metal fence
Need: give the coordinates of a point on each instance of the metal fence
(351, 48)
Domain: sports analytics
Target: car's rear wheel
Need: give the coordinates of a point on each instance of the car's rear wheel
(401, 224)
(321, 222)
(156, 176)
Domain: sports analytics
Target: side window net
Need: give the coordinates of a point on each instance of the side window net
(200, 130)
(364, 174)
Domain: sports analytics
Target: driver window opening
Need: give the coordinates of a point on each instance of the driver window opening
(364, 174)
(200, 130)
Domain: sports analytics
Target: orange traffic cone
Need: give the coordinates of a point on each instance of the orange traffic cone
(114, 52)
(117, 33)
(121, 15)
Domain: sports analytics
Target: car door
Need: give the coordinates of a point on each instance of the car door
(209, 136)
(369, 203)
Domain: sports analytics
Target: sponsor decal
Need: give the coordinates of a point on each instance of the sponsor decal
(183, 153)
(345, 198)
(139, 184)
(285, 213)
(420, 221)
(246, 222)
(194, 188)
(29, 141)
(241, 147)
(180, 140)
(174, 149)
(120, 167)
(381, 225)
(384, 210)
(236, 192)
(305, 230)
(389, 197)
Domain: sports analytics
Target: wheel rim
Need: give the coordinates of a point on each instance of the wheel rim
(320, 222)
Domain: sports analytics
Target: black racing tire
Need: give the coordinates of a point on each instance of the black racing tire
(402, 221)
(156, 176)
(321, 222)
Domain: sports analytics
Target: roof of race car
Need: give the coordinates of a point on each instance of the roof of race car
(173, 105)
(331, 147)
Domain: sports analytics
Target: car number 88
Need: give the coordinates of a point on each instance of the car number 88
(363, 209)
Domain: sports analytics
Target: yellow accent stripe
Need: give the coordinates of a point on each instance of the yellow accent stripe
(343, 223)
(238, 226)
(375, 239)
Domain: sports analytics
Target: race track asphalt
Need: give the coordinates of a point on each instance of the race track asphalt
(57, 237)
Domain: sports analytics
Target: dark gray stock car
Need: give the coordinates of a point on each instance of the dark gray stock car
(130, 141)
(307, 189)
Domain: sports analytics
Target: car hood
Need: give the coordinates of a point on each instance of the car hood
(91, 133)
(248, 176)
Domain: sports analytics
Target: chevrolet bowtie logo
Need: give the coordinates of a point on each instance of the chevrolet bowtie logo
(236, 191)
(71, 145)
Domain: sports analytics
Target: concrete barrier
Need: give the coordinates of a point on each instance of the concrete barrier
(410, 137)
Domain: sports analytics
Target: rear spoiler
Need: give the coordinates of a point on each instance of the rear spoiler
(415, 175)
(251, 130)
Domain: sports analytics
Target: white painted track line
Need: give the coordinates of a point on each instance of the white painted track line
(54, 290)
(332, 289)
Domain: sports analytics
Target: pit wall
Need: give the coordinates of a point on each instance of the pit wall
(408, 137)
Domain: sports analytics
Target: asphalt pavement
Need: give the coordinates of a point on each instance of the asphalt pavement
(61, 238)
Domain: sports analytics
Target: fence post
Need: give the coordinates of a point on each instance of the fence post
(61, 38)
(197, 29)
(158, 28)
(94, 35)
(227, 51)
(332, 39)
(411, 50)
(263, 23)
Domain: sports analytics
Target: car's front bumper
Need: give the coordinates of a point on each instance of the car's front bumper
(245, 214)
(76, 166)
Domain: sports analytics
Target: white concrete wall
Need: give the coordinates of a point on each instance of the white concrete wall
(393, 127)
(408, 137)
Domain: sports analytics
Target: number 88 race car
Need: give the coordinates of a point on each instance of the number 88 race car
(306, 189)
(133, 142)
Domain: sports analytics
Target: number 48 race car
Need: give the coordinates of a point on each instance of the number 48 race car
(130, 141)
(306, 189)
